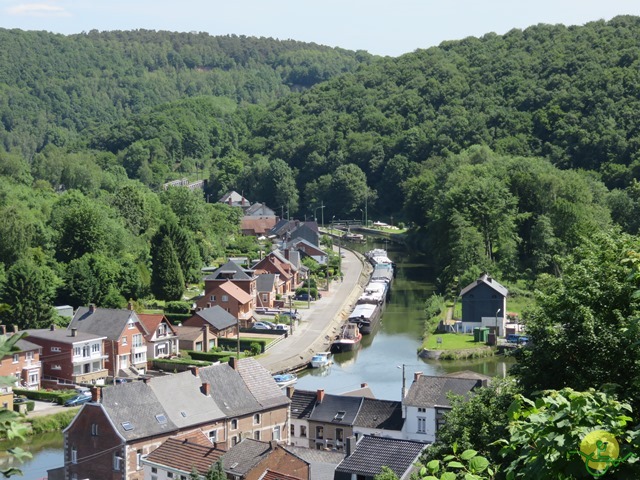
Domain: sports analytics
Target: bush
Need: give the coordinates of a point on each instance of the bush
(255, 348)
(231, 344)
(221, 357)
(176, 318)
(177, 307)
(52, 423)
(58, 396)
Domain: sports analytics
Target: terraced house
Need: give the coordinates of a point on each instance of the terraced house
(123, 424)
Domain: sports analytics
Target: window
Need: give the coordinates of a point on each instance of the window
(422, 409)
(303, 431)
(117, 461)
(234, 440)
(124, 340)
(422, 425)
(33, 378)
(169, 474)
(319, 433)
(130, 325)
(162, 329)
(74, 455)
(276, 432)
(265, 297)
(293, 430)
(138, 458)
(95, 348)
(56, 367)
(29, 355)
(55, 349)
(16, 357)
(213, 436)
(154, 470)
(234, 424)
(94, 429)
(225, 298)
(339, 434)
(137, 340)
(256, 435)
(212, 298)
(77, 351)
(256, 419)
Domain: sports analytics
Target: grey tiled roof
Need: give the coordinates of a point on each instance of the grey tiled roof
(487, 280)
(430, 391)
(239, 272)
(302, 403)
(26, 346)
(373, 453)
(105, 322)
(382, 414)
(261, 384)
(327, 411)
(265, 282)
(136, 404)
(182, 399)
(63, 335)
(241, 458)
(217, 317)
(322, 463)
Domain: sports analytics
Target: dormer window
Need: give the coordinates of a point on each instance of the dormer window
(130, 325)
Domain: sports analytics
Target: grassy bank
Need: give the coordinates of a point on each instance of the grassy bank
(450, 341)
(52, 423)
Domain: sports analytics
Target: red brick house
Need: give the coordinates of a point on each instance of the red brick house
(70, 357)
(24, 365)
(230, 298)
(124, 423)
(218, 321)
(243, 278)
(276, 263)
(125, 346)
(268, 286)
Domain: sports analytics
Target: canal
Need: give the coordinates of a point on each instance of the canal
(379, 361)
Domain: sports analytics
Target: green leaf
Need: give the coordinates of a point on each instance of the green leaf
(471, 476)
(455, 464)
(448, 476)
(478, 464)
(433, 466)
(468, 454)
(448, 458)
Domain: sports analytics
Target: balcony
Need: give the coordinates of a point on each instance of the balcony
(31, 365)
(138, 349)
(90, 377)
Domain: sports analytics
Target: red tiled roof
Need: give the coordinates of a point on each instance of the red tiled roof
(152, 320)
(183, 454)
(271, 475)
(235, 292)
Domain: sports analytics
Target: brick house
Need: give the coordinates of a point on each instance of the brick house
(70, 357)
(125, 346)
(276, 263)
(198, 339)
(161, 337)
(268, 286)
(123, 423)
(232, 299)
(219, 322)
(243, 278)
(24, 364)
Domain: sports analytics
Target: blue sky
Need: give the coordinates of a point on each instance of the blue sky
(392, 27)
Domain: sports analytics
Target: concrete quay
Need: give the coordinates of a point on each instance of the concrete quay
(321, 322)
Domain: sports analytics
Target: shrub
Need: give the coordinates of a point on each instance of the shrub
(58, 396)
(177, 307)
(255, 348)
(52, 423)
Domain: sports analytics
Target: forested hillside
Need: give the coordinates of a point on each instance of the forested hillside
(502, 152)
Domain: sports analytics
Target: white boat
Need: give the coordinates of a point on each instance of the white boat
(375, 292)
(285, 379)
(321, 359)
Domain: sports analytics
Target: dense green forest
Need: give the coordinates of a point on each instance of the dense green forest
(501, 152)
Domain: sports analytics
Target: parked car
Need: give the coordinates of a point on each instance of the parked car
(271, 324)
(77, 400)
(282, 327)
(305, 296)
(261, 326)
(292, 315)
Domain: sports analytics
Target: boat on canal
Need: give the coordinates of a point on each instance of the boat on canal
(285, 379)
(366, 316)
(374, 293)
(321, 359)
(348, 340)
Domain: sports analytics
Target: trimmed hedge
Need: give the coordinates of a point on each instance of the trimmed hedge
(29, 403)
(221, 357)
(177, 364)
(176, 318)
(58, 396)
(232, 343)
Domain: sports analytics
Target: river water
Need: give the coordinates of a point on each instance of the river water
(378, 363)
(380, 359)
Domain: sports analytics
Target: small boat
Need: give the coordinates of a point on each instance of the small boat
(354, 237)
(285, 379)
(321, 359)
(348, 340)
(366, 316)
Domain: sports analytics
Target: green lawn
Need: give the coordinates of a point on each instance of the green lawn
(451, 341)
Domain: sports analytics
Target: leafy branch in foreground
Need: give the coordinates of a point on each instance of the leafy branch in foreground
(468, 465)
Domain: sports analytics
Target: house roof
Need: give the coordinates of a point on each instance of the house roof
(234, 199)
(280, 255)
(302, 403)
(188, 333)
(217, 317)
(282, 227)
(234, 291)
(431, 391)
(106, 322)
(151, 322)
(372, 453)
(336, 409)
(260, 210)
(261, 383)
(273, 475)
(244, 456)
(257, 225)
(296, 242)
(184, 453)
(26, 346)
(230, 270)
(380, 414)
(363, 391)
(270, 263)
(322, 463)
(486, 280)
(62, 335)
(266, 282)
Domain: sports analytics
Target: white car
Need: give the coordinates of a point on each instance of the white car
(261, 326)
(282, 327)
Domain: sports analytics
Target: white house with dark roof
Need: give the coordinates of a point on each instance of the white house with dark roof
(123, 423)
(426, 403)
(382, 418)
(484, 304)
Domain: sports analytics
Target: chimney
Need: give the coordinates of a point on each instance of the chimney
(320, 395)
(273, 444)
(194, 370)
(96, 394)
(205, 338)
(3, 329)
(350, 445)
(416, 376)
(206, 388)
(364, 385)
(290, 390)
(52, 327)
(130, 306)
(74, 332)
(92, 307)
(233, 363)
(230, 201)
(15, 328)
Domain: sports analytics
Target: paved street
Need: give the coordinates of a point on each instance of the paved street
(320, 323)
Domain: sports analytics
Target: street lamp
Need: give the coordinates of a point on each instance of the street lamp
(361, 217)
(315, 214)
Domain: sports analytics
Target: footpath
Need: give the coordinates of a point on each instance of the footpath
(320, 322)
